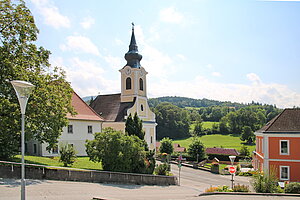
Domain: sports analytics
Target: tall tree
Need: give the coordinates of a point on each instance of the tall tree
(166, 146)
(196, 149)
(22, 59)
(247, 135)
(173, 122)
(134, 126)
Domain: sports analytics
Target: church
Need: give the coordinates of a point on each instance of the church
(115, 108)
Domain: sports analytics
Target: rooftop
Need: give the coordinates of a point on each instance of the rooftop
(84, 112)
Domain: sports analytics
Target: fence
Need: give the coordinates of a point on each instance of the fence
(32, 171)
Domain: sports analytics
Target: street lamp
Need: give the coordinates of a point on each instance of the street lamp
(23, 90)
(232, 158)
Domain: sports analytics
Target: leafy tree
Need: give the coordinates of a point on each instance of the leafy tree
(134, 126)
(67, 154)
(196, 149)
(247, 135)
(22, 59)
(244, 151)
(198, 129)
(119, 152)
(166, 146)
(173, 122)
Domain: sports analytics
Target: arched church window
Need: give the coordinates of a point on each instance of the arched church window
(128, 83)
(141, 84)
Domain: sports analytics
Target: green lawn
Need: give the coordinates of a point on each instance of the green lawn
(225, 141)
(205, 125)
(81, 162)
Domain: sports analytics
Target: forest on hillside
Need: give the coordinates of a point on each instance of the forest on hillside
(174, 115)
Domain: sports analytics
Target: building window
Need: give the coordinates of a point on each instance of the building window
(70, 128)
(128, 83)
(151, 140)
(284, 147)
(34, 149)
(90, 129)
(284, 173)
(55, 149)
(141, 84)
(142, 108)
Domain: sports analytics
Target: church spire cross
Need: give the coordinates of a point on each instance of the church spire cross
(132, 56)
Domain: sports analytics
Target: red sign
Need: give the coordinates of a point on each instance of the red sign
(231, 170)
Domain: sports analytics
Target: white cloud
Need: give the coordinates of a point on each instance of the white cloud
(254, 78)
(181, 57)
(87, 77)
(87, 22)
(201, 87)
(80, 44)
(114, 62)
(209, 66)
(170, 15)
(51, 14)
(119, 42)
(157, 63)
(216, 74)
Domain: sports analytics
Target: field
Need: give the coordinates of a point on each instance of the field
(81, 162)
(225, 141)
(205, 125)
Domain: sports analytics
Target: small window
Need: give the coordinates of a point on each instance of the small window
(34, 149)
(284, 147)
(151, 140)
(142, 108)
(90, 129)
(70, 128)
(141, 84)
(55, 149)
(128, 83)
(284, 172)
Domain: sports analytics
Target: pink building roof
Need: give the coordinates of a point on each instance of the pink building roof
(84, 112)
(222, 151)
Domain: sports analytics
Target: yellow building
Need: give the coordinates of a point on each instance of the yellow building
(115, 108)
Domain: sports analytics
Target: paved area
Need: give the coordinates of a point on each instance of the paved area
(192, 183)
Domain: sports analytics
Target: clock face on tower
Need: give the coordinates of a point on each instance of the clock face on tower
(127, 71)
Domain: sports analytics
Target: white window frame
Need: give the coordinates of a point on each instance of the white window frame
(90, 126)
(288, 147)
(288, 173)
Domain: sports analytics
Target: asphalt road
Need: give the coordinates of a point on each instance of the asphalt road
(192, 183)
(200, 180)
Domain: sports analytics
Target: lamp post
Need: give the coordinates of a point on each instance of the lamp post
(232, 158)
(23, 90)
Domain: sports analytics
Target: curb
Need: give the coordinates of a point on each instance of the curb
(248, 193)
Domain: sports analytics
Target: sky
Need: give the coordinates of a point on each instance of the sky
(227, 50)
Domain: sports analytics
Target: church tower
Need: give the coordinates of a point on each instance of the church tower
(133, 75)
(115, 108)
(134, 89)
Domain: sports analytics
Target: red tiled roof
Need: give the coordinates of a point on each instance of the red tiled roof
(287, 121)
(84, 112)
(222, 151)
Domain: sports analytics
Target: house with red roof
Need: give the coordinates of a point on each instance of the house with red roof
(81, 127)
(278, 146)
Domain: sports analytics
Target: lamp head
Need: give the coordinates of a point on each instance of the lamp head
(23, 90)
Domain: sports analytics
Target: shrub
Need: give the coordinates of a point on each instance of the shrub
(292, 188)
(67, 154)
(223, 188)
(166, 146)
(211, 189)
(162, 169)
(264, 183)
(240, 188)
(196, 149)
(246, 173)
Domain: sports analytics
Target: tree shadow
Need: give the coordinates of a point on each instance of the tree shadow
(11, 183)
